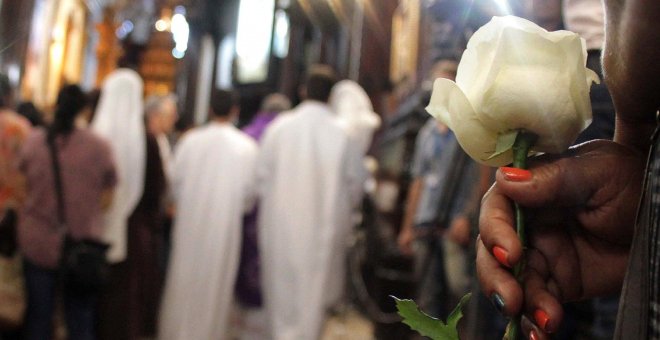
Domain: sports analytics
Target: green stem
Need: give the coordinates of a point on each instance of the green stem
(524, 141)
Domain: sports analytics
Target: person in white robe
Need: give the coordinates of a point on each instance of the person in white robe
(355, 112)
(309, 181)
(213, 183)
(357, 117)
(119, 118)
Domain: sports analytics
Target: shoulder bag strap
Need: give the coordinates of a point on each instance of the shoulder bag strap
(61, 217)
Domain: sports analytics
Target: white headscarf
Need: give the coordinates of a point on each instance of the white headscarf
(355, 112)
(119, 118)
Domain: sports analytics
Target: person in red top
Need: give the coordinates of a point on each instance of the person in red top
(13, 131)
(88, 176)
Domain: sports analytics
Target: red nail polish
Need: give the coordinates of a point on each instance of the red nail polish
(502, 256)
(533, 335)
(515, 174)
(541, 319)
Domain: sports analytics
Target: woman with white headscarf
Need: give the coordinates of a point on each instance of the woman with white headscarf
(357, 117)
(355, 112)
(128, 307)
(119, 118)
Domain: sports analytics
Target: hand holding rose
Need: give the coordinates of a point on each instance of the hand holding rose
(577, 246)
(519, 90)
(516, 79)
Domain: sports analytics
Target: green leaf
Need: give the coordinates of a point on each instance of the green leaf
(430, 326)
(504, 143)
(511, 331)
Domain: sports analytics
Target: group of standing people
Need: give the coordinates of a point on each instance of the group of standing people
(121, 182)
(99, 179)
(306, 175)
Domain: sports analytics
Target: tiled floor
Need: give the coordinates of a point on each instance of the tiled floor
(348, 325)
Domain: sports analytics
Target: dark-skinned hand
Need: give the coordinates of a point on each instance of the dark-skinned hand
(580, 219)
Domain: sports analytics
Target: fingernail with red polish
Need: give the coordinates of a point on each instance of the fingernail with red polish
(515, 174)
(533, 335)
(502, 256)
(541, 319)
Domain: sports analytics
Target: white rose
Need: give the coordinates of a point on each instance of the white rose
(516, 75)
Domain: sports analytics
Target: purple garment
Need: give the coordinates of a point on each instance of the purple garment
(258, 124)
(248, 280)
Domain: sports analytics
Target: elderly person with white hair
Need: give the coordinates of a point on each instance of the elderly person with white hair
(271, 106)
(161, 114)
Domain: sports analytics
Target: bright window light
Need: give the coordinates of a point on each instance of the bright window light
(225, 57)
(503, 6)
(281, 38)
(176, 53)
(180, 32)
(253, 39)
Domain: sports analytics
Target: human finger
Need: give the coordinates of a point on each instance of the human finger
(531, 331)
(542, 295)
(561, 183)
(594, 173)
(498, 283)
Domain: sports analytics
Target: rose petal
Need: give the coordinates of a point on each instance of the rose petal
(516, 75)
(576, 67)
(536, 88)
(450, 105)
(472, 75)
(541, 105)
(481, 55)
(518, 23)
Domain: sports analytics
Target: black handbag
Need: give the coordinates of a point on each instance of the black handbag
(83, 264)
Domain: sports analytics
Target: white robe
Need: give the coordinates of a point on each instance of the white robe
(213, 181)
(120, 119)
(357, 117)
(309, 180)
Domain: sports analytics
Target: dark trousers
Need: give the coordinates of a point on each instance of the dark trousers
(79, 309)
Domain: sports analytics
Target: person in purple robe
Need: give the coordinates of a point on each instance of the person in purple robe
(248, 287)
(271, 106)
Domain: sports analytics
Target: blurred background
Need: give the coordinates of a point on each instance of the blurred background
(255, 46)
(259, 47)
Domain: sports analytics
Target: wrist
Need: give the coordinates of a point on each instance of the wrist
(635, 133)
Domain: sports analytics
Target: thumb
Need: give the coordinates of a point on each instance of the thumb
(564, 182)
(595, 174)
